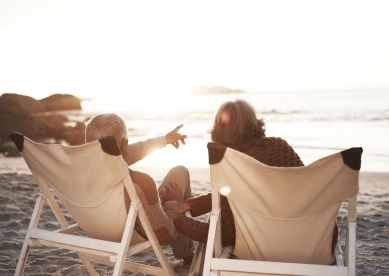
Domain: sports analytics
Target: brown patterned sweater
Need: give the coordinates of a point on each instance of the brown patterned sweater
(275, 152)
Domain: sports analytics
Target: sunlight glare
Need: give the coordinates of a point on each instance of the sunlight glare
(225, 190)
(89, 48)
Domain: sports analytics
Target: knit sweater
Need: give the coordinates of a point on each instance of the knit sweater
(146, 189)
(275, 152)
(137, 151)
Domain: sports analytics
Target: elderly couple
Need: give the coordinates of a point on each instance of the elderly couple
(236, 126)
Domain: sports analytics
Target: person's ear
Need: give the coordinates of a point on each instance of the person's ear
(123, 146)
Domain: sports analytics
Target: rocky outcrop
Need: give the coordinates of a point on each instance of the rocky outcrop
(28, 116)
(20, 103)
(25, 104)
(31, 126)
(212, 90)
(58, 102)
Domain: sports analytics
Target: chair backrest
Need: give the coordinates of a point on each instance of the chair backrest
(87, 179)
(284, 214)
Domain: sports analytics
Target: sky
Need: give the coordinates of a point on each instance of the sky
(90, 47)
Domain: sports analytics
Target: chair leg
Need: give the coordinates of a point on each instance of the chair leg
(118, 268)
(198, 260)
(36, 213)
(351, 247)
(126, 238)
(209, 250)
(155, 244)
(87, 264)
(22, 260)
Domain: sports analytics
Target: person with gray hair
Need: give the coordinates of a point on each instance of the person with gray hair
(113, 124)
(175, 186)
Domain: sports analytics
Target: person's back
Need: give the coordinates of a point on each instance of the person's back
(275, 152)
(112, 124)
(236, 126)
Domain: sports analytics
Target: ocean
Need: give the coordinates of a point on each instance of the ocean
(315, 123)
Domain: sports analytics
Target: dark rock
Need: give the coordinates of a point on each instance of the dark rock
(58, 102)
(30, 126)
(53, 120)
(46, 130)
(20, 103)
(16, 115)
(9, 148)
(75, 136)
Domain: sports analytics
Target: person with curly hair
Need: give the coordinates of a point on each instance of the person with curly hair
(236, 126)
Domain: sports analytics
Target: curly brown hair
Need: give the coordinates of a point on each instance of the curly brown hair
(236, 125)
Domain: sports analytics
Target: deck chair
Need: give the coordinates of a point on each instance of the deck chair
(89, 181)
(284, 217)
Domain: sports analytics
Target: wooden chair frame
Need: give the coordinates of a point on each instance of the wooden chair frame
(93, 250)
(216, 260)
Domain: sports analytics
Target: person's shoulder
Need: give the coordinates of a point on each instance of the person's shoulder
(140, 177)
(274, 141)
(147, 186)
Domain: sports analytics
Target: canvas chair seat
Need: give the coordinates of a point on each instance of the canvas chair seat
(89, 180)
(282, 215)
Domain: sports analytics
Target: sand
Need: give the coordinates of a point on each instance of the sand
(19, 192)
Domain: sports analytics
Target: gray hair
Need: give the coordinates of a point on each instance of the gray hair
(108, 124)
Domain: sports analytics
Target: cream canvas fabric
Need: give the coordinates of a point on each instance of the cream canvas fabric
(284, 214)
(89, 180)
(89, 183)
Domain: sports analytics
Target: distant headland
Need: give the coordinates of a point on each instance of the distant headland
(212, 90)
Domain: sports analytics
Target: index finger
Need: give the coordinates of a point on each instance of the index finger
(178, 128)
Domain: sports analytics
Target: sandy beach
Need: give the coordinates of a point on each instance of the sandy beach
(19, 192)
